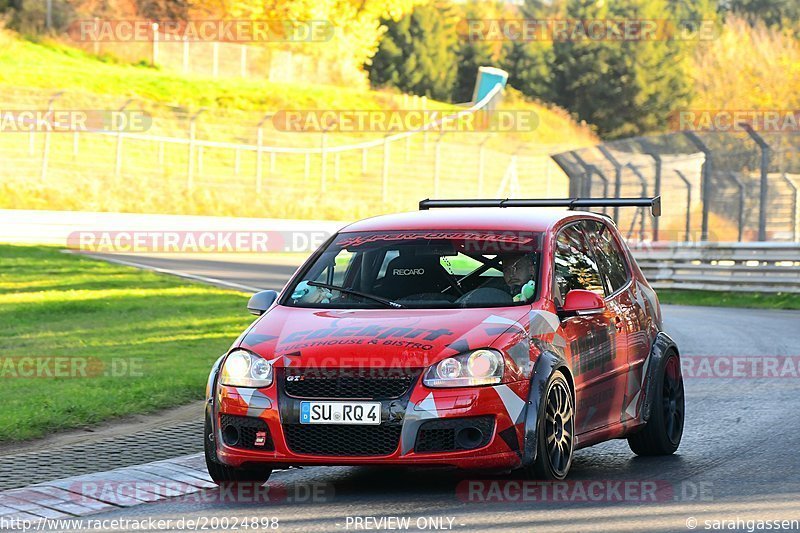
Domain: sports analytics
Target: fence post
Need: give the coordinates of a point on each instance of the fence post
(118, 153)
(764, 188)
(794, 205)
(46, 144)
(190, 163)
(585, 187)
(741, 203)
(96, 42)
(657, 186)
(688, 204)
(617, 176)
(591, 171)
(643, 181)
(154, 58)
(259, 150)
(705, 187)
(385, 170)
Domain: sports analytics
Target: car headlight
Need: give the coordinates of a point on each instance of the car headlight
(244, 369)
(480, 367)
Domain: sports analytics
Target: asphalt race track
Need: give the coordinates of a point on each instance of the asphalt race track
(739, 459)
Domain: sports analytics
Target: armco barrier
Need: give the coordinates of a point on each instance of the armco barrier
(767, 267)
(746, 267)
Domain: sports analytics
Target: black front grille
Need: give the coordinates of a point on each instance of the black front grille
(441, 435)
(365, 383)
(319, 439)
(246, 428)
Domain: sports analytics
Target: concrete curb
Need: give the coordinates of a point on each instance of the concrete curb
(104, 491)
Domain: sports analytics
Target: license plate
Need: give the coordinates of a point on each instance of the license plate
(340, 413)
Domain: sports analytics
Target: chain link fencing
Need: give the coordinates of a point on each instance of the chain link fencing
(240, 164)
(715, 186)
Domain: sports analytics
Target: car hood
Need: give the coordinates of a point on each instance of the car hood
(375, 338)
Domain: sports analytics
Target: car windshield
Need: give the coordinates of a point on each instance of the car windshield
(421, 269)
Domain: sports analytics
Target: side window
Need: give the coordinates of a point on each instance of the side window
(575, 266)
(610, 257)
(461, 265)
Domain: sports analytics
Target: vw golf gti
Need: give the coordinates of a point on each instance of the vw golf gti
(478, 334)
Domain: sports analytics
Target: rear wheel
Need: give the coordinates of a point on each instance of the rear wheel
(223, 474)
(663, 432)
(556, 431)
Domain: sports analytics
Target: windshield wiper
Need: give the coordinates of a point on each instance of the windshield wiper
(378, 299)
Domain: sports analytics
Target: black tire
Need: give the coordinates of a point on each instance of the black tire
(556, 431)
(663, 431)
(223, 474)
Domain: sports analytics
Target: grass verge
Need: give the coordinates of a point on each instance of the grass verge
(83, 172)
(730, 299)
(140, 341)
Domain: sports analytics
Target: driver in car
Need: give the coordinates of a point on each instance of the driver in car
(518, 273)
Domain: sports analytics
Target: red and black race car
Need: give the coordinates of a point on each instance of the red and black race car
(475, 336)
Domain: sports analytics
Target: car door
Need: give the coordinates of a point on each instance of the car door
(617, 279)
(593, 345)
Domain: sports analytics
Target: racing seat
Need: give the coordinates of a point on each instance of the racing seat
(409, 274)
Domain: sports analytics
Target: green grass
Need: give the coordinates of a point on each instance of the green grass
(50, 65)
(55, 305)
(81, 171)
(730, 299)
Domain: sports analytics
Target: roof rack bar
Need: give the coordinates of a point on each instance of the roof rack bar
(571, 203)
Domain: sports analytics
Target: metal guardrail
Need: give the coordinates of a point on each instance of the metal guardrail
(740, 267)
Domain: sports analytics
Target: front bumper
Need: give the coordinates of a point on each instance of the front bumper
(502, 407)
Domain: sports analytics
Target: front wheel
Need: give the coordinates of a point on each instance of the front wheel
(221, 473)
(662, 433)
(556, 431)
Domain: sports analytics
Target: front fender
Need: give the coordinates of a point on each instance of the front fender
(546, 364)
(211, 386)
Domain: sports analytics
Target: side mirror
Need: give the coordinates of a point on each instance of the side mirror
(261, 301)
(582, 302)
